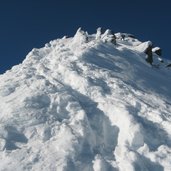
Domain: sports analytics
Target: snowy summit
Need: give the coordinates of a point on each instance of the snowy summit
(99, 102)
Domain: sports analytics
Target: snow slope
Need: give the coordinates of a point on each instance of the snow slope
(85, 104)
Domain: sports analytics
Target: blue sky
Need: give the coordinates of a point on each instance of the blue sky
(25, 24)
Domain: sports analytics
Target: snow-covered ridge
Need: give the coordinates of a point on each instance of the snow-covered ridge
(87, 103)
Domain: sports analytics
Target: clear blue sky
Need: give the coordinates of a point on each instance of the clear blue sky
(25, 24)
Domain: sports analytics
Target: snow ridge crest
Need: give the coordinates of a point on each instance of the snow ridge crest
(87, 103)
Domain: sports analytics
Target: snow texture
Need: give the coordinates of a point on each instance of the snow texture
(86, 104)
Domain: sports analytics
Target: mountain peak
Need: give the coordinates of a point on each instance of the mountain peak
(91, 102)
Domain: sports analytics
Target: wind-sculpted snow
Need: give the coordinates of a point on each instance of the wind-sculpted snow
(86, 104)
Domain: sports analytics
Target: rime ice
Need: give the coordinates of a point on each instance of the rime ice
(86, 104)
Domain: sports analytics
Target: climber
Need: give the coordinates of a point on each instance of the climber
(122, 36)
(113, 39)
(149, 53)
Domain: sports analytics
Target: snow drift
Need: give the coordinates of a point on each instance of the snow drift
(86, 103)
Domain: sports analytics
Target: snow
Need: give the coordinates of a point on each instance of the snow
(155, 49)
(86, 104)
(143, 46)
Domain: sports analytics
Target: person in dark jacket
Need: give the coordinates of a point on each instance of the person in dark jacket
(149, 54)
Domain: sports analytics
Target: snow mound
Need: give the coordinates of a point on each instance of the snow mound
(87, 103)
